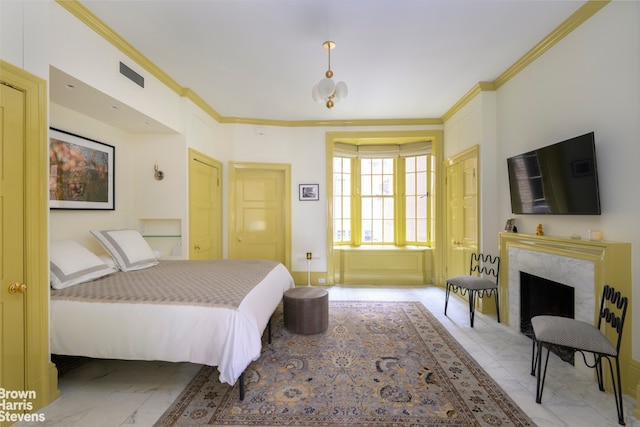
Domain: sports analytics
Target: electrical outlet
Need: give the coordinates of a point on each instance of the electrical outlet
(321, 280)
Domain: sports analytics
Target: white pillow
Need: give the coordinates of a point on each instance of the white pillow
(71, 263)
(128, 249)
(109, 261)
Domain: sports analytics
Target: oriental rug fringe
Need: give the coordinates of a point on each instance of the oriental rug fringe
(378, 364)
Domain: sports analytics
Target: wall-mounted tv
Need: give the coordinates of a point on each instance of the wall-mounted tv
(559, 179)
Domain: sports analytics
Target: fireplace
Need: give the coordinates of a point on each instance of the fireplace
(584, 265)
(542, 296)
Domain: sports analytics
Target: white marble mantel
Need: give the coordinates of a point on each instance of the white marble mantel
(574, 272)
(585, 265)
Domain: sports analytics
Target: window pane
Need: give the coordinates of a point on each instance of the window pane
(388, 185)
(410, 185)
(387, 166)
(365, 165)
(337, 185)
(346, 185)
(421, 211)
(367, 231)
(337, 164)
(388, 231)
(366, 208)
(366, 185)
(341, 200)
(410, 206)
(376, 166)
(417, 202)
(421, 183)
(376, 208)
(337, 207)
(376, 185)
(346, 225)
(409, 164)
(388, 208)
(422, 231)
(376, 232)
(411, 230)
(337, 230)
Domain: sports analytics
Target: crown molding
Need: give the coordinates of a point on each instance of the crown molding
(479, 87)
(78, 10)
(586, 11)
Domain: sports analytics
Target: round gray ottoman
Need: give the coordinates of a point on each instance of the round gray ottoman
(306, 310)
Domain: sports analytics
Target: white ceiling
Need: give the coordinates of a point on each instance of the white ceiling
(401, 59)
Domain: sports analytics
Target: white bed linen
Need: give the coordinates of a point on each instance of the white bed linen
(226, 338)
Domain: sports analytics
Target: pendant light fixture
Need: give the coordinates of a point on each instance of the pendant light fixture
(326, 90)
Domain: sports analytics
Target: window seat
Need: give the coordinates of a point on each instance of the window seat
(383, 265)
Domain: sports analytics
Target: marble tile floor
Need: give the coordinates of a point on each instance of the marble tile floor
(113, 393)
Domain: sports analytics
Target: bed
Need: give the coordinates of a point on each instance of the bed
(206, 312)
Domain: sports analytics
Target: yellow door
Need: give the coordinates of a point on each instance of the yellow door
(205, 207)
(12, 297)
(454, 219)
(259, 212)
(470, 203)
(462, 211)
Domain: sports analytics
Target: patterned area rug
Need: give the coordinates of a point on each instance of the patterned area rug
(378, 364)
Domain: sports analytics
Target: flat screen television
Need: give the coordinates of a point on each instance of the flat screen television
(559, 179)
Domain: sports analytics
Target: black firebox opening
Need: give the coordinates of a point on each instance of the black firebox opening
(539, 296)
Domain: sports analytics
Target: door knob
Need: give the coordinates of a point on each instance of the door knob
(17, 287)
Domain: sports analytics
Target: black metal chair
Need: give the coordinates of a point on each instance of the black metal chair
(584, 338)
(477, 283)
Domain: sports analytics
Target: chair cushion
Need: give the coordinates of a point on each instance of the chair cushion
(472, 282)
(571, 333)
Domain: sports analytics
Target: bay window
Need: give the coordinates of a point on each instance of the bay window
(383, 195)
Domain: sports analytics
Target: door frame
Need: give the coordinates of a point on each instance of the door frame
(41, 374)
(285, 168)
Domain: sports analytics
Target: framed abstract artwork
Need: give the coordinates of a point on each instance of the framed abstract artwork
(81, 172)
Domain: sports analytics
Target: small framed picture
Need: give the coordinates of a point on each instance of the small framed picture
(309, 192)
(510, 225)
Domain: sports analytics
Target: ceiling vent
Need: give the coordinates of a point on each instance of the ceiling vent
(131, 75)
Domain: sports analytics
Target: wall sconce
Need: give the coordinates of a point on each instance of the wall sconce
(157, 173)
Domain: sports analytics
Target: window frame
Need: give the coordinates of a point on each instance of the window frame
(399, 196)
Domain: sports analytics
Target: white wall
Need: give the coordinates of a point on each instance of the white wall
(23, 35)
(588, 82)
(74, 224)
(304, 150)
(80, 52)
(475, 124)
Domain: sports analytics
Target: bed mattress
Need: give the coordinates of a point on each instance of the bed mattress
(207, 312)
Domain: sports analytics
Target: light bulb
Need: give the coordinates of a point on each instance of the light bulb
(326, 88)
(341, 90)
